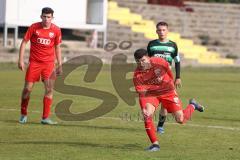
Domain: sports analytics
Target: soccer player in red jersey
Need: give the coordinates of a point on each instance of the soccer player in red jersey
(45, 38)
(154, 83)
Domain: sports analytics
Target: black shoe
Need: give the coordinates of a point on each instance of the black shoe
(197, 106)
(153, 148)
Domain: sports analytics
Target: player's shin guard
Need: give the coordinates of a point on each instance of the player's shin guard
(187, 113)
(47, 102)
(24, 101)
(24, 105)
(150, 129)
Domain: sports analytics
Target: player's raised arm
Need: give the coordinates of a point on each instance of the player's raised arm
(21, 55)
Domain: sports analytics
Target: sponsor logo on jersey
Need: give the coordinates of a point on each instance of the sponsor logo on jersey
(43, 41)
(162, 48)
(51, 34)
(165, 56)
(160, 55)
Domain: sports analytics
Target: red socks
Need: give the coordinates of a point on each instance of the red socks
(187, 112)
(150, 129)
(47, 102)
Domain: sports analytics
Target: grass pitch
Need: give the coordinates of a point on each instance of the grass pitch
(120, 134)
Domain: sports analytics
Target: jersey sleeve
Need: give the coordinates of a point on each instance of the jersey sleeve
(58, 38)
(169, 72)
(139, 87)
(177, 62)
(149, 50)
(168, 69)
(29, 33)
(176, 57)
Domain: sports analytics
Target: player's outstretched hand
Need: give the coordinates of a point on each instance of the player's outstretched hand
(21, 65)
(178, 83)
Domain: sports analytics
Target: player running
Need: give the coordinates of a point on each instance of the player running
(45, 38)
(153, 81)
(167, 49)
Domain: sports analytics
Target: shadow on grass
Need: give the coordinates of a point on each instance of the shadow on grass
(102, 127)
(78, 144)
(77, 125)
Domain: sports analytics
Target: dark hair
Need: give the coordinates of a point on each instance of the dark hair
(47, 10)
(161, 24)
(139, 53)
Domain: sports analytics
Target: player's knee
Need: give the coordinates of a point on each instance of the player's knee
(28, 89)
(163, 113)
(147, 114)
(150, 109)
(146, 117)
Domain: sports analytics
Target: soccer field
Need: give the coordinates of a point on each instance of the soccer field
(120, 133)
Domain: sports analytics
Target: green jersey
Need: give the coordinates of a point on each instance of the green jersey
(167, 50)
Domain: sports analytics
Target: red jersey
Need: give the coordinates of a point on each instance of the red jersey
(43, 42)
(157, 80)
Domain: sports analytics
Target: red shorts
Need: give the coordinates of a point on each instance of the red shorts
(36, 70)
(170, 101)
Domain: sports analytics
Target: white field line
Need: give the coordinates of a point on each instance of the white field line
(171, 123)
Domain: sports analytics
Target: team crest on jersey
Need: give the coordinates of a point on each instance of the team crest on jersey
(51, 34)
(157, 72)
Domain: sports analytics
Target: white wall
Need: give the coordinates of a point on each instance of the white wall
(68, 13)
(95, 11)
(2, 11)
